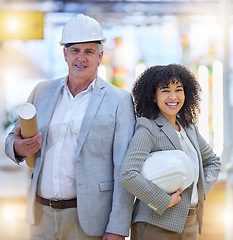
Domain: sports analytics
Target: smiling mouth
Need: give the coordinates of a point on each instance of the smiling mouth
(78, 66)
(172, 104)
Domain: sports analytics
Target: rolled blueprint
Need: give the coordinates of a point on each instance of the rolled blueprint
(29, 127)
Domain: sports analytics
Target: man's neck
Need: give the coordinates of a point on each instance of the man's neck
(76, 87)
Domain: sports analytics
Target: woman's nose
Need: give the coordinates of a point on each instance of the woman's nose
(172, 96)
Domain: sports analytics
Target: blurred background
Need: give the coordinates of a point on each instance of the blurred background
(140, 34)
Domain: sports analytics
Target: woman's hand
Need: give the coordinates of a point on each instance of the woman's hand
(176, 198)
(111, 236)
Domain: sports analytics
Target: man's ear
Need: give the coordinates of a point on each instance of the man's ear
(100, 57)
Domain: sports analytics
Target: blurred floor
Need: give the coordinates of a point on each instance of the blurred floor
(13, 192)
(214, 214)
(12, 224)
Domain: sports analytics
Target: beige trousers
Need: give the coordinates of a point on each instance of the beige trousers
(54, 224)
(146, 231)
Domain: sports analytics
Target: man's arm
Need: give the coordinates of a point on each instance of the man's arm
(122, 204)
(17, 148)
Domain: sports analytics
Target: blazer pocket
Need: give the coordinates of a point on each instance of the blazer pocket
(106, 186)
(103, 126)
(103, 121)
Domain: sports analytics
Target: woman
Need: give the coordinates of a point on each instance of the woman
(167, 102)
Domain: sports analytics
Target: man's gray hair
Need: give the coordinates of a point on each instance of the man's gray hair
(101, 47)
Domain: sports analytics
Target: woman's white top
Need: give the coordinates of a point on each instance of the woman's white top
(189, 149)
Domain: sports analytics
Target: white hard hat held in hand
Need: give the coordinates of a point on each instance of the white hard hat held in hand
(81, 29)
(169, 170)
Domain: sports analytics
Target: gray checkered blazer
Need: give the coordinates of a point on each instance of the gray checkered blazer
(151, 202)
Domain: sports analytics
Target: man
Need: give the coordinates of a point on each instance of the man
(85, 125)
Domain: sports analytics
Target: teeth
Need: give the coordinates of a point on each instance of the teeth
(171, 104)
(79, 66)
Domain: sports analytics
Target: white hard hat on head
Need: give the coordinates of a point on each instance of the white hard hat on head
(81, 29)
(169, 170)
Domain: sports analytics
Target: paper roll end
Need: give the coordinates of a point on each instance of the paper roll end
(30, 161)
(28, 120)
(27, 111)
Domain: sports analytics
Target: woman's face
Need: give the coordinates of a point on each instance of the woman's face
(170, 99)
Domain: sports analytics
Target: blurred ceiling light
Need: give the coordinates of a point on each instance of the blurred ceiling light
(228, 218)
(10, 213)
(12, 25)
(209, 30)
(228, 211)
(218, 107)
(9, 74)
(22, 25)
(203, 123)
(201, 35)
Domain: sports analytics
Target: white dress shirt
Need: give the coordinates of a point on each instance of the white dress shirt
(189, 149)
(57, 178)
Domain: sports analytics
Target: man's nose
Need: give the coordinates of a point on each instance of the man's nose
(81, 57)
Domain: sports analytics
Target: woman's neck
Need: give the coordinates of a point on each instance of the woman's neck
(176, 126)
(173, 122)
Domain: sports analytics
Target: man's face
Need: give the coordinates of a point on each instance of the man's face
(83, 60)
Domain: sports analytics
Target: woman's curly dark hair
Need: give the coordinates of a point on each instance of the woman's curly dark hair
(146, 85)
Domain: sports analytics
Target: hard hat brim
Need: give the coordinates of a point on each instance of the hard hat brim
(72, 43)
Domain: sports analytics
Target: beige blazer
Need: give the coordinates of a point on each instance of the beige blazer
(151, 204)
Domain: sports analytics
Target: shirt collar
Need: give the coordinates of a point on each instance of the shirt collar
(182, 132)
(89, 88)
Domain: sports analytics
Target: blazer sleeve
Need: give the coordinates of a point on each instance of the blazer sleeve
(210, 161)
(141, 145)
(122, 203)
(9, 142)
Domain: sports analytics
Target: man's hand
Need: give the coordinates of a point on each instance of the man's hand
(175, 197)
(111, 236)
(28, 146)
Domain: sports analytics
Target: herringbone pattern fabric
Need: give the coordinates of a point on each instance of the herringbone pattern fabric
(151, 204)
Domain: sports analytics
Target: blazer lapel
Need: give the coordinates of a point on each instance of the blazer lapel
(93, 106)
(48, 106)
(45, 106)
(192, 137)
(191, 133)
(169, 131)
